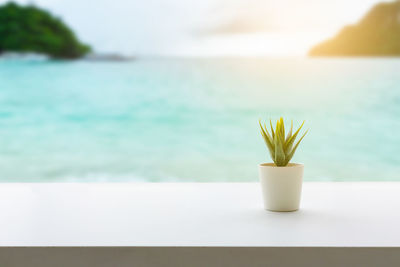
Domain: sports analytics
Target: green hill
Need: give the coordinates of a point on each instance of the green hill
(31, 29)
(377, 34)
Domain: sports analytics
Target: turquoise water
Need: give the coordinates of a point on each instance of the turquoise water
(195, 119)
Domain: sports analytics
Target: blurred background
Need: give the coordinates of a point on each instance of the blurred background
(171, 90)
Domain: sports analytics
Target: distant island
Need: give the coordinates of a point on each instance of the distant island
(377, 34)
(29, 29)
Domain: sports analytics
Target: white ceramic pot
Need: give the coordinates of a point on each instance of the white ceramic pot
(281, 186)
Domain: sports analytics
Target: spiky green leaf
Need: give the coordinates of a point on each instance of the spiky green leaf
(290, 132)
(282, 123)
(279, 151)
(268, 140)
(290, 155)
(290, 142)
(272, 129)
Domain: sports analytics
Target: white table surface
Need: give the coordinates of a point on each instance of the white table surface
(363, 214)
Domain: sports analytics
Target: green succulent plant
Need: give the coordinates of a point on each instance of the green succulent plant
(281, 148)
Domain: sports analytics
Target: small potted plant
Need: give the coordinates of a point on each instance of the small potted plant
(281, 181)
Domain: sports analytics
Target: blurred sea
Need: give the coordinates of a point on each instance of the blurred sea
(195, 119)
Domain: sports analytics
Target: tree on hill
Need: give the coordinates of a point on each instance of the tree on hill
(377, 34)
(31, 29)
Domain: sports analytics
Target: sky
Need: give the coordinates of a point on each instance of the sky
(205, 27)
